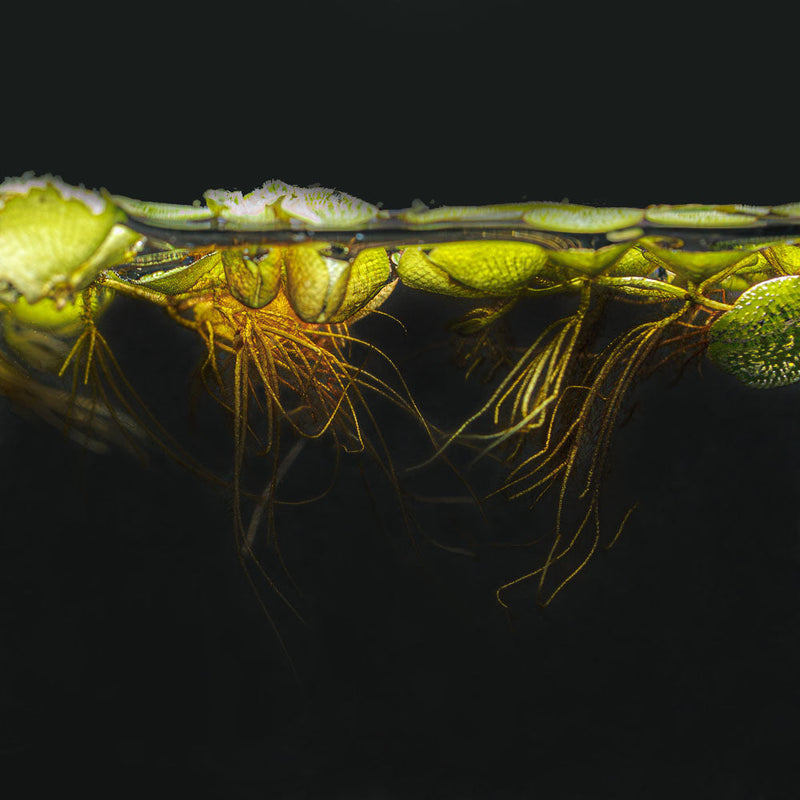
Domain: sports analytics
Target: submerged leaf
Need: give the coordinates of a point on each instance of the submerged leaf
(494, 266)
(315, 283)
(253, 281)
(417, 271)
(587, 261)
(693, 265)
(758, 341)
(370, 272)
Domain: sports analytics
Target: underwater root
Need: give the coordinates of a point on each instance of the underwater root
(573, 448)
(113, 402)
(525, 399)
(482, 343)
(82, 419)
(280, 377)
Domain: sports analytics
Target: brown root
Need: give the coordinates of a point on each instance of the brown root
(574, 453)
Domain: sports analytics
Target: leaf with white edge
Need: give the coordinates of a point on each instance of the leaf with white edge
(327, 208)
(254, 207)
(55, 237)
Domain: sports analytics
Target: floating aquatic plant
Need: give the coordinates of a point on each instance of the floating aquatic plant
(273, 282)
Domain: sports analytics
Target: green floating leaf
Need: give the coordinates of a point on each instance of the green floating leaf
(279, 201)
(697, 216)
(787, 210)
(252, 209)
(56, 238)
(326, 208)
(759, 340)
(162, 214)
(420, 215)
(743, 208)
(573, 218)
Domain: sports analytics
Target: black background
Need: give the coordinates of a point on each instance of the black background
(136, 659)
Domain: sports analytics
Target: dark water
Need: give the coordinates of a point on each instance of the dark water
(135, 656)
